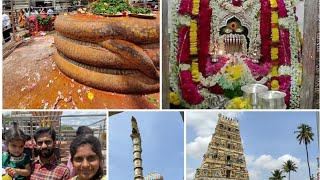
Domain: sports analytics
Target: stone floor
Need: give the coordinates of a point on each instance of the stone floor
(31, 80)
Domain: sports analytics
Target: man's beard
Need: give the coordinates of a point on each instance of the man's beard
(48, 153)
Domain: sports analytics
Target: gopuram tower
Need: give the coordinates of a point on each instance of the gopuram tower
(224, 158)
(137, 150)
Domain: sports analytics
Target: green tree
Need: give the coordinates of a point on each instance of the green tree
(277, 175)
(305, 135)
(289, 166)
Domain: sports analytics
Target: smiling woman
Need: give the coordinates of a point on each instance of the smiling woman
(86, 158)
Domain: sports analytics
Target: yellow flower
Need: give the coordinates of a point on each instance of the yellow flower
(237, 100)
(90, 95)
(193, 50)
(235, 72)
(274, 71)
(274, 17)
(195, 75)
(300, 74)
(193, 37)
(274, 53)
(275, 85)
(238, 103)
(195, 8)
(275, 34)
(174, 99)
(273, 3)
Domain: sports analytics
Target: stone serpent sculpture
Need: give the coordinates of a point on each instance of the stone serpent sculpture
(117, 54)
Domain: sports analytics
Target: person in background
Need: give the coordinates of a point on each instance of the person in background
(82, 130)
(46, 165)
(15, 161)
(6, 27)
(50, 12)
(4, 146)
(86, 157)
(21, 19)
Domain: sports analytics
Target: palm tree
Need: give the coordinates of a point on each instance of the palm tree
(305, 135)
(277, 175)
(289, 166)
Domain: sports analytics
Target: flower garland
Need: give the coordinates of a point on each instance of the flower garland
(295, 65)
(225, 4)
(275, 40)
(193, 89)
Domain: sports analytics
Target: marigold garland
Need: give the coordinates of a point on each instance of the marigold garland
(274, 53)
(195, 72)
(174, 98)
(193, 37)
(275, 38)
(195, 7)
(275, 35)
(274, 17)
(273, 3)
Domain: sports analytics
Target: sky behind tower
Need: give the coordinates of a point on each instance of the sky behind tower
(162, 144)
(268, 140)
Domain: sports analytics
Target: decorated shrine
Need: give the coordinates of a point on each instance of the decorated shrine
(219, 46)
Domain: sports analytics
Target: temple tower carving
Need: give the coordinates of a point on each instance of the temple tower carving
(224, 158)
(137, 150)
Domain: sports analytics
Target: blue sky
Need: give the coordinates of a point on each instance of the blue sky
(82, 120)
(162, 144)
(268, 140)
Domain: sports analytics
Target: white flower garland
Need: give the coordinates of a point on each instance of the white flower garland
(184, 67)
(254, 36)
(284, 70)
(294, 48)
(284, 22)
(225, 4)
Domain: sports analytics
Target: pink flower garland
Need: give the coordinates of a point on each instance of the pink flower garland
(189, 90)
(185, 7)
(265, 31)
(282, 11)
(183, 55)
(258, 69)
(204, 34)
(284, 48)
(213, 68)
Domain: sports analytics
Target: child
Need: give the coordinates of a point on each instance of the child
(16, 163)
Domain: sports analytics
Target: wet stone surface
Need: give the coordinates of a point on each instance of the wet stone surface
(31, 80)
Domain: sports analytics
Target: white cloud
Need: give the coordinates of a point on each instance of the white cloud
(267, 162)
(204, 123)
(262, 166)
(190, 173)
(198, 147)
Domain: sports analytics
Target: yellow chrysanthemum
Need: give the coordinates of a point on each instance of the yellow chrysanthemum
(273, 3)
(274, 71)
(275, 34)
(274, 53)
(195, 8)
(275, 85)
(274, 17)
(235, 72)
(193, 37)
(174, 99)
(193, 50)
(239, 103)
